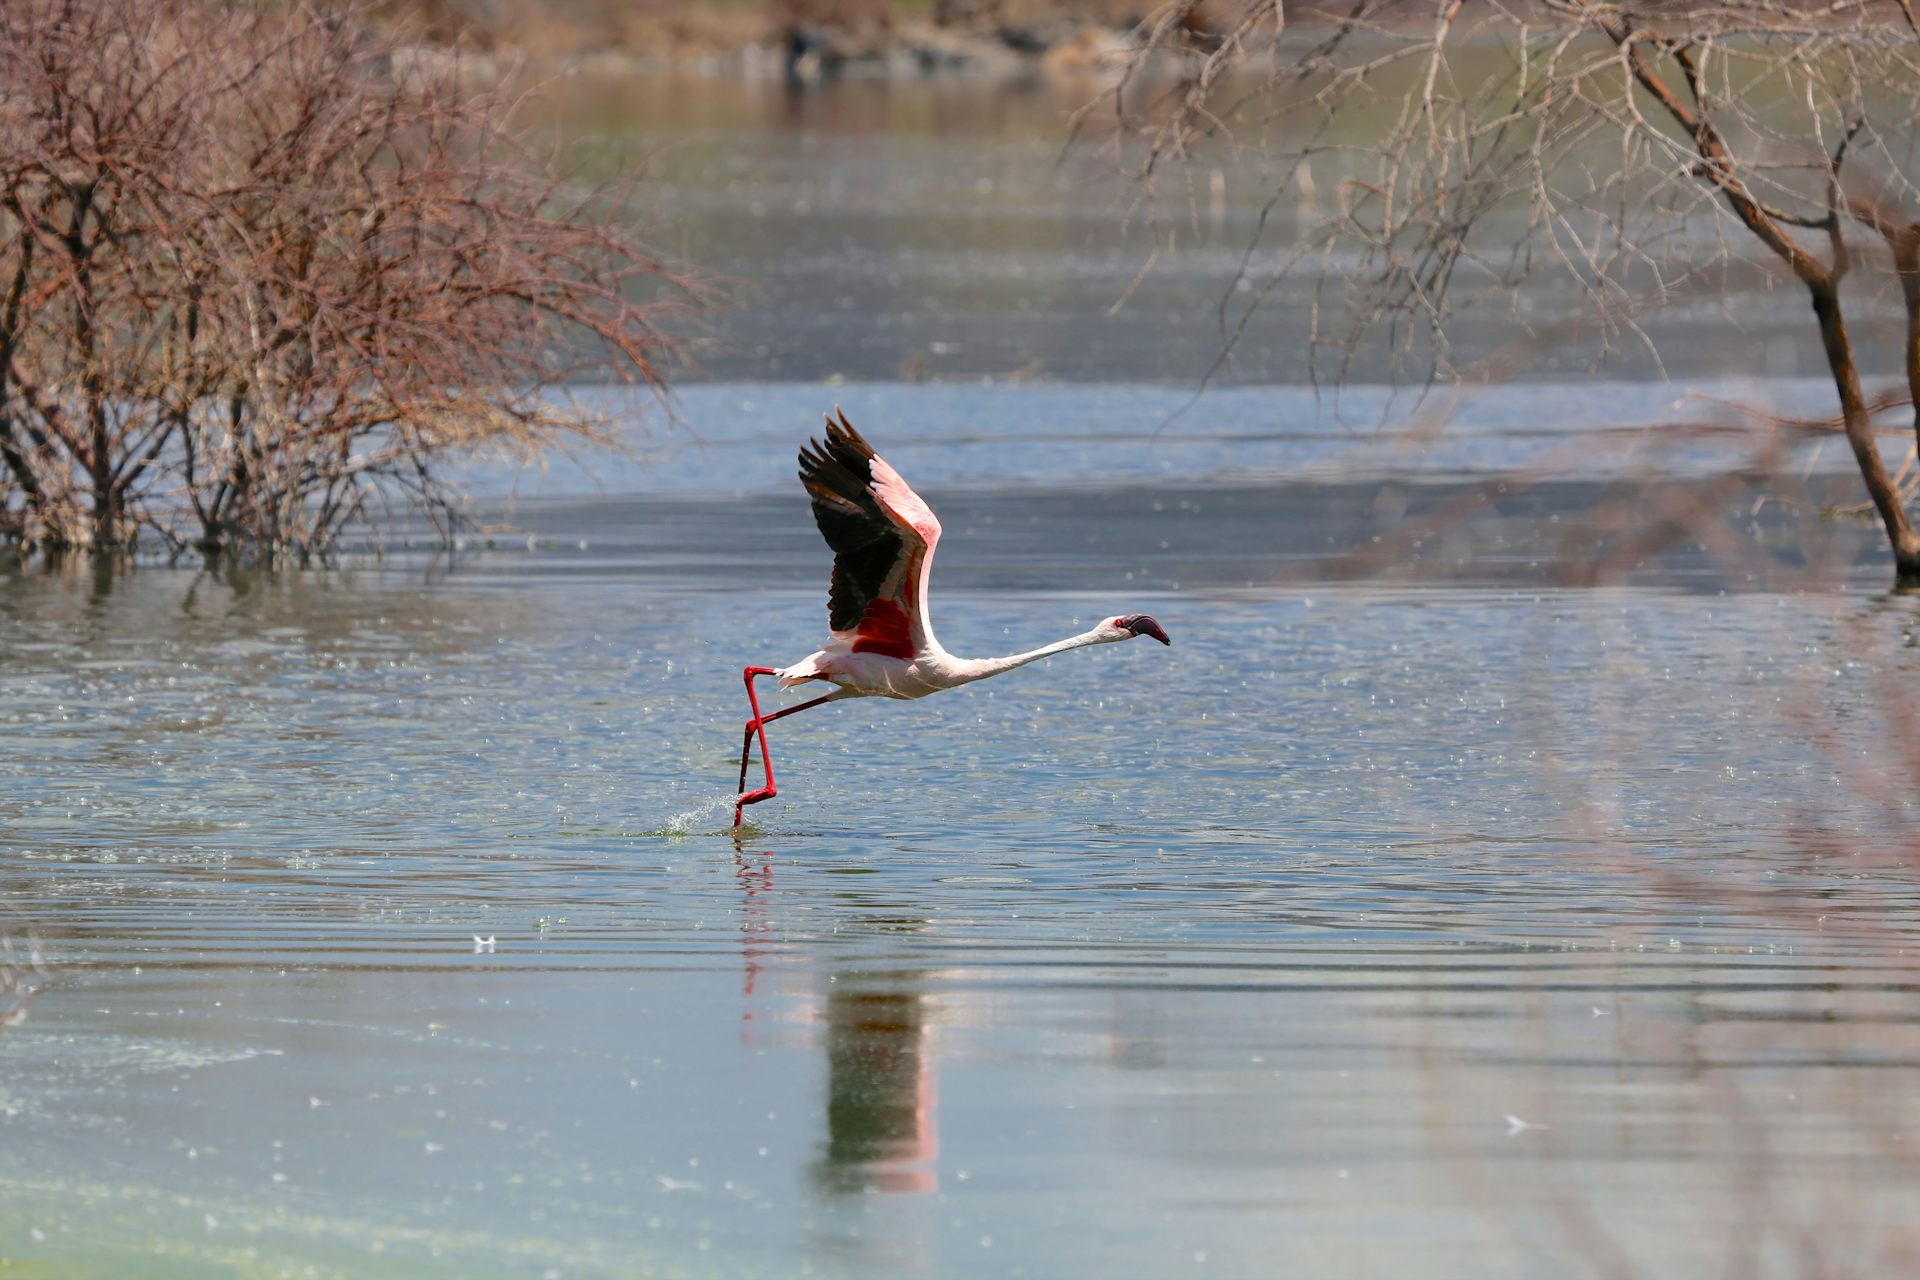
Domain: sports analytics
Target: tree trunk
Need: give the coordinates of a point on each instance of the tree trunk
(1719, 168)
(1859, 428)
(1906, 261)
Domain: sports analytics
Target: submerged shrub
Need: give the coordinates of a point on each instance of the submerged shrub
(260, 272)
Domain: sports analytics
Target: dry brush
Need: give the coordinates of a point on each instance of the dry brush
(261, 273)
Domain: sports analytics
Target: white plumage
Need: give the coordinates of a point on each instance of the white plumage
(883, 537)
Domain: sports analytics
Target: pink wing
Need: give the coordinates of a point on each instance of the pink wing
(882, 534)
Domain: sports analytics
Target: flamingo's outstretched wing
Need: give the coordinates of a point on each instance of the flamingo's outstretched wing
(882, 534)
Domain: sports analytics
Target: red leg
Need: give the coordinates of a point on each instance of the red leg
(758, 725)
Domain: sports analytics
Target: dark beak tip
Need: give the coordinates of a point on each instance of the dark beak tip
(1145, 625)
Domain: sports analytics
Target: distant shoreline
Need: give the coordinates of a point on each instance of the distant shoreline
(780, 41)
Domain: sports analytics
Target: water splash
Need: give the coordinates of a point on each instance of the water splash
(23, 969)
(681, 824)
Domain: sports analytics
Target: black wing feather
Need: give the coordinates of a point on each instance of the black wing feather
(866, 543)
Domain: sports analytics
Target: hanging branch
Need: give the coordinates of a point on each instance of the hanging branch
(1632, 147)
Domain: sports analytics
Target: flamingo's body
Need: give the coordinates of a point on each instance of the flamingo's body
(883, 536)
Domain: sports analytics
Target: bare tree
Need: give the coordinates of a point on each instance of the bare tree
(1650, 151)
(259, 271)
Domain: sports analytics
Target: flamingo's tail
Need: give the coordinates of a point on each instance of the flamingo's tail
(808, 668)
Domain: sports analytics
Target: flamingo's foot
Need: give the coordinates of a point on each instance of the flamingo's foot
(751, 797)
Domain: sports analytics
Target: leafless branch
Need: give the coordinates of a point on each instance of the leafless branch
(1640, 149)
(256, 263)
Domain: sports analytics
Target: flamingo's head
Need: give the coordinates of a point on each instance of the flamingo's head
(1130, 625)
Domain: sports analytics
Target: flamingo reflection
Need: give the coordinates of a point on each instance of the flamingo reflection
(881, 1134)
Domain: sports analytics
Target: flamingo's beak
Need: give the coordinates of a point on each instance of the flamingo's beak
(1143, 624)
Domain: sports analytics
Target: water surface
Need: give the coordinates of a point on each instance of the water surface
(944, 228)
(382, 920)
(391, 927)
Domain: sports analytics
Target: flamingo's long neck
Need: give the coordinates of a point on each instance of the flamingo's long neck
(970, 669)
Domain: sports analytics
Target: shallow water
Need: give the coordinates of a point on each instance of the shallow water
(943, 228)
(383, 921)
(391, 926)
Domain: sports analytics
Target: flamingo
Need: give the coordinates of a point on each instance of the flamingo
(883, 535)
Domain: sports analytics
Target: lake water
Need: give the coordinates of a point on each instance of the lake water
(384, 920)
(942, 228)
